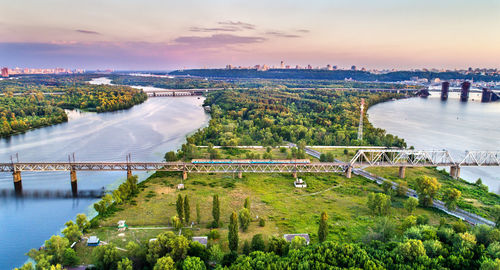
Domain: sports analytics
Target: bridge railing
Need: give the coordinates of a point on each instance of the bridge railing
(401, 157)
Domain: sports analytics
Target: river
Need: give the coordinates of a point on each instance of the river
(429, 123)
(146, 131)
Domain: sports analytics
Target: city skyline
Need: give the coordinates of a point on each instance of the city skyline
(160, 35)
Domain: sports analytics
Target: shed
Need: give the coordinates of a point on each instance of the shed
(200, 239)
(93, 241)
(299, 183)
(289, 237)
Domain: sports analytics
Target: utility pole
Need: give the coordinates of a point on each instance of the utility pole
(360, 128)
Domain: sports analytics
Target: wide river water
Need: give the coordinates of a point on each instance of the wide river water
(146, 131)
(432, 124)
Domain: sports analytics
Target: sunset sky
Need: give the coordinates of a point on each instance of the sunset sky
(162, 34)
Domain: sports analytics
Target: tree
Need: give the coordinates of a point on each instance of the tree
(379, 203)
(427, 188)
(193, 263)
(402, 189)
(161, 247)
(70, 258)
(55, 247)
(244, 217)
(451, 197)
(387, 186)
(216, 210)
(125, 264)
(198, 216)
(106, 257)
(180, 246)
(323, 227)
(187, 210)
(278, 245)
(298, 242)
(72, 232)
(258, 243)
(247, 203)
(82, 222)
(262, 222)
(233, 232)
(171, 156)
(180, 207)
(164, 263)
(496, 215)
(176, 223)
(411, 204)
(409, 222)
(246, 248)
(216, 254)
(411, 249)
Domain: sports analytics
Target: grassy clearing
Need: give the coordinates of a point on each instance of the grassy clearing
(339, 153)
(273, 197)
(474, 199)
(240, 153)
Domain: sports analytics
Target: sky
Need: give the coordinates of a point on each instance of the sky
(166, 34)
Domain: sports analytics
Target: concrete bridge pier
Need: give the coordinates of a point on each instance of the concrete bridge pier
(402, 172)
(184, 175)
(240, 175)
(74, 183)
(18, 184)
(294, 174)
(455, 172)
(348, 172)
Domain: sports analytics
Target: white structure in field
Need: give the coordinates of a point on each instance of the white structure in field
(299, 183)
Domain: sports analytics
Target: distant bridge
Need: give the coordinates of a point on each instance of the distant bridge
(401, 158)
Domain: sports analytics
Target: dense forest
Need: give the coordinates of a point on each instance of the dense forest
(332, 74)
(169, 83)
(28, 103)
(274, 116)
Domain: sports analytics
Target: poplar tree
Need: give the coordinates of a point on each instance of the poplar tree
(198, 216)
(180, 207)
(247, 203)
(232, 235)
(187, 209)
(323, 227)
(216, 210)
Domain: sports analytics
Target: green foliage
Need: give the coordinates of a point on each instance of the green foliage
(411, 204)
(216, 254)
(379, 203)
(383, 230)
(247, 203)
(323, 227)
(258, 243)
(489, 264)
(411, 249)
(164, 263)
(496, 215)
(245, 218)
(409, 222)
(106, 257)
(103, 205)
(427, 188)
(176, 222)
(171, 156)
(167, 243)
(179, 204)
(187, 210)
(193, 263)
(387, 187)
(70, 258)
(213, 234)
(125, 264)
(198, 214)
(402, 189)
(55, 247)
(216, 210)
(451, 197)
(82, 222)
(262, 222)
(246, 248)
(278, 246)
(72, 232)
(422, 220)
(298, 242)
(233, 232)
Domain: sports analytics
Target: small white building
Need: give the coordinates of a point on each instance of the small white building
(180, 186)
(299, 183)
(200, 239)
(290, 237)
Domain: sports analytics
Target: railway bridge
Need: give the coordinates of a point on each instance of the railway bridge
(401, 158)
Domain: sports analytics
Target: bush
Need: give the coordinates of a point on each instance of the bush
(422, 220)
(258, 243)
(262, 222)
(70, 258)
(213, 234)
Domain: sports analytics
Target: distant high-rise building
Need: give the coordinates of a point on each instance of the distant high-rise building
(353, 67)
(5, 72)
(329, 67)
(282, 65)
(229, 66)
(309, 67)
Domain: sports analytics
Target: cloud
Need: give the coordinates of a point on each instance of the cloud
(87, 32)
(214, 29)
(282, 34)
(303, 31)
(218, 40)
(239, 24)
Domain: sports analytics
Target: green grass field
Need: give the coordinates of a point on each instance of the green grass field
(285, 208)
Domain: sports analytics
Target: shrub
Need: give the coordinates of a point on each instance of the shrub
(262, 222)
(258, 243)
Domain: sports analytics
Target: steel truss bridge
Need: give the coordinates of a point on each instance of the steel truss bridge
(401, 158)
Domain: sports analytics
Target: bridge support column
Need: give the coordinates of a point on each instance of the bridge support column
(184, 175)
(294, 174)
(455, 172)
(402, 172)
(348, 172)
(74, 183)
(129, 173)
(18, 184)
(240, 175)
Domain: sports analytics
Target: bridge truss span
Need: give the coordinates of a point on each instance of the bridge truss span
(481, 158)
(402, 158)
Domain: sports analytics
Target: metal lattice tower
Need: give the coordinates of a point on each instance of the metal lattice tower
(360, 128)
